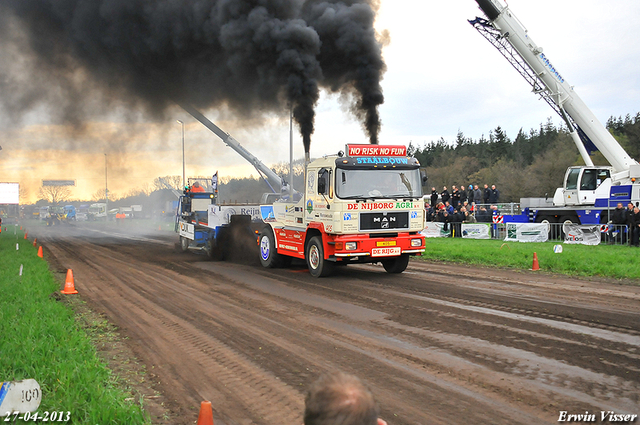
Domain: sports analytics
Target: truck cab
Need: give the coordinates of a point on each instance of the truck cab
(364, 207)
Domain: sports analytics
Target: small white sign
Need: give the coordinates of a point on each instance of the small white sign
(187, 230)
(557, 249)
(19, 396)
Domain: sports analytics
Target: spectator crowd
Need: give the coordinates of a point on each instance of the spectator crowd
(463, 205)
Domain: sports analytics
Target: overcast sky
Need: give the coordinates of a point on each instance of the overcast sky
(442, 77)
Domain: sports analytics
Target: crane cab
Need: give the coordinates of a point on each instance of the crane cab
(583, 185)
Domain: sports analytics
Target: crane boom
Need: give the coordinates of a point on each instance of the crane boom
(506, 33)
(274, 181)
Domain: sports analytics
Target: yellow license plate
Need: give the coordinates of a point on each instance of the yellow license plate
(386, 243)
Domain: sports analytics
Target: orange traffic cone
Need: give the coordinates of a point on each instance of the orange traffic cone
(26, 234)
(34, 241)
(206, 414)
(69, 287)
(40, 252)
(535, 265)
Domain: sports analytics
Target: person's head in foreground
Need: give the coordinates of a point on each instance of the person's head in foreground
(340, 399)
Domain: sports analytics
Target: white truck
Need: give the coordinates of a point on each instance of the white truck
(362, 207)
(97, 211)
(589, 191)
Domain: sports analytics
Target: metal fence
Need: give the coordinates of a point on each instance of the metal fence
(611, 234)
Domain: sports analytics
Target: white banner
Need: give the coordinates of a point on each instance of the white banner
(581, 234)
(475, 231)
(434, 229)
(527, 232)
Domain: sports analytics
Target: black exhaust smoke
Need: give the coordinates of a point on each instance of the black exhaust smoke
(249, 55)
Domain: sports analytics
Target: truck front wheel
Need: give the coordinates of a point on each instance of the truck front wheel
(318, 266)
(396, 264)
(184, 244)
(269, 256)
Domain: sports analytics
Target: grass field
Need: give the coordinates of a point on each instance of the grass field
(612, 261)
(41, 338)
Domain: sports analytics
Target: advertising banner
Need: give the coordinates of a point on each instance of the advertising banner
(581, 234)
(475, 231)
(527, 232)
(9, 193)
(434, 229)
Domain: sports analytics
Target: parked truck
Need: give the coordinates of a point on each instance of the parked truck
(362, 207)
(589, 192)
(97, 211)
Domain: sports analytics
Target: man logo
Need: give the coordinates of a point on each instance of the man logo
(347, 216)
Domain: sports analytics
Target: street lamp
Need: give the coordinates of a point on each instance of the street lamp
(183, 174)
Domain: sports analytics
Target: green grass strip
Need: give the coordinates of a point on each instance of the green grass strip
(41, 339)
(611, 261)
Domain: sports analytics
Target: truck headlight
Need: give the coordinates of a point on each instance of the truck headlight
(351, 246)
(416, 242)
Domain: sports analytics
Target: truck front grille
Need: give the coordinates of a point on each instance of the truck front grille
(384, 220)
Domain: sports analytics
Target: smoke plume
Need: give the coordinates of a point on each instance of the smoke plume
(253, 56)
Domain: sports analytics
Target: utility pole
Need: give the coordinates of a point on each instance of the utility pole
(106, 190)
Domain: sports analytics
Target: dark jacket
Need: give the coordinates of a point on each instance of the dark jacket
(628, 217)
(434, 198)
(445, 196)
(455, 198)
(619, 216)
(494, 197)
(487, 195)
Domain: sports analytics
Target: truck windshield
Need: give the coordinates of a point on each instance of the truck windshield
(353, 184)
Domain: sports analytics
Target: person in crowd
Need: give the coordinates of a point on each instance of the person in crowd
(427, 211)
(340, 399)
(456, 223)
(628, 220)
(619, 219)
(634, 227)
(477, 195)
(455, 197)
(449, 208)
(467, 217)
(470, 195)
(444, 195)
(434, 196)
(442, 216)
(486, 194)
(494, 197)
(483, 216)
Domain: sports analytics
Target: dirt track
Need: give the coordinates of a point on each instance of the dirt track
(439, 344)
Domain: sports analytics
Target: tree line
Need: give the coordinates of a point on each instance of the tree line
(531, 165)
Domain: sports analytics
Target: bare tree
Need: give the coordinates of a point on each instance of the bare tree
(98, 196)
(54, 194)
(167, 182)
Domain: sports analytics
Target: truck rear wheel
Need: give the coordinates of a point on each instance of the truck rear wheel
(318, 266)
(214, 252)
(269, 256)
(396, 264)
